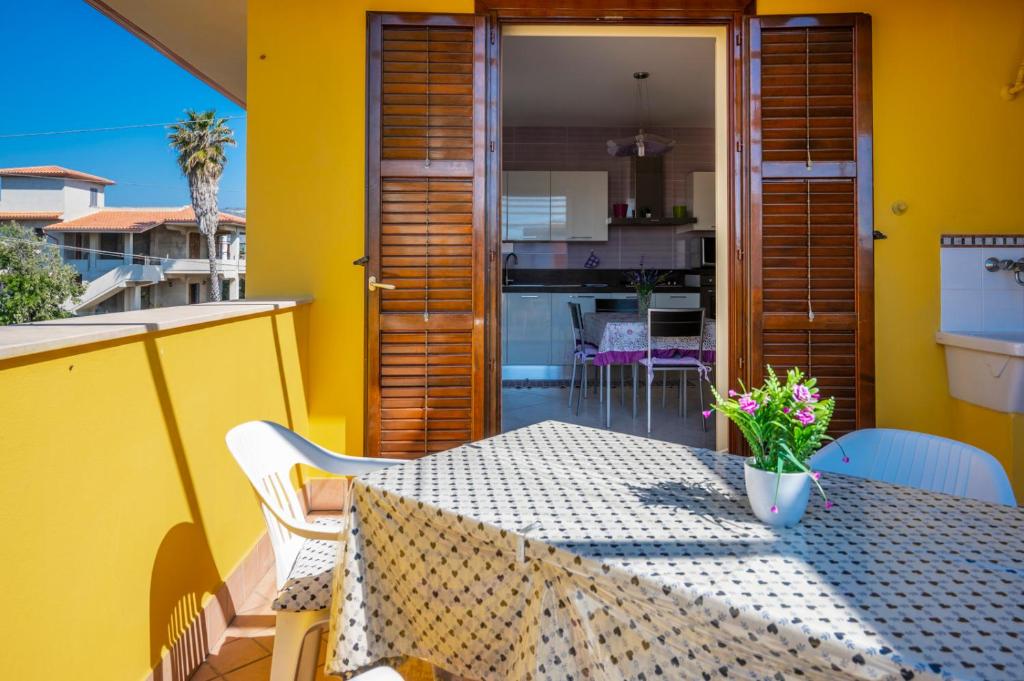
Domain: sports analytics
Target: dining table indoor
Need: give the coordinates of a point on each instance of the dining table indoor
(621, 339)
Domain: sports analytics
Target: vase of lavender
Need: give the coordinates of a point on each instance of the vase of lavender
(644, 281)
(784, 423)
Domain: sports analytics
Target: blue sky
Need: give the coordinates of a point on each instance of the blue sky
(74, 68)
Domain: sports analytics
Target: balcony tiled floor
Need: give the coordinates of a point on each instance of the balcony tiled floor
(244, 652)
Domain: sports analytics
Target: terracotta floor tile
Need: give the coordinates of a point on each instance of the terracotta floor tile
(257, 671)
(204, 673)
(236, 653)
(265, 642)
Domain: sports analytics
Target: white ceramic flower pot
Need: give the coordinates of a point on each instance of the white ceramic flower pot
(794, 489)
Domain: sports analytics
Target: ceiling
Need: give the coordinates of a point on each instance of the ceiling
(206, 38)
(588, 81)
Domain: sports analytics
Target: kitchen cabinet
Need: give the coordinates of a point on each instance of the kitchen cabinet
(703, 201)
(527, 203)
(579, 206)
(528, 330)
(554, 205)
(562, 345)
(675, 301)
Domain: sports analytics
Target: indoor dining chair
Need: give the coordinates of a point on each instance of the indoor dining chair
(582, 355)
(304, 552)
(919, 460)
(672, 324)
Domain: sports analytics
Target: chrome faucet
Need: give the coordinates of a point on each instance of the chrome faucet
(1015, 266)
(515, 259)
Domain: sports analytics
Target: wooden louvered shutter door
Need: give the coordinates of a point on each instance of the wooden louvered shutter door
(811, 250)
(425, 233)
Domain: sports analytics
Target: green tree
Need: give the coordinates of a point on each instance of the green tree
(200, 140)
(34, 283)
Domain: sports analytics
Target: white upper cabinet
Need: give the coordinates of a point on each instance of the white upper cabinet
(579, 206)
(527, 205)
(555, 205)
(702, 193)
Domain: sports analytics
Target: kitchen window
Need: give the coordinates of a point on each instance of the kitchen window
(94, 197)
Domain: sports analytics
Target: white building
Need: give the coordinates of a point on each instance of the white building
(41, 195)
(130, 258)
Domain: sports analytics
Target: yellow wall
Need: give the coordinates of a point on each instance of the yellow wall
(122, 508)
(945, 143)
(948, 145)
(306, 184)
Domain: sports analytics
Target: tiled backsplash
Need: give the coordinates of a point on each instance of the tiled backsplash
(660, 248)
(974, 299)
(584, 148)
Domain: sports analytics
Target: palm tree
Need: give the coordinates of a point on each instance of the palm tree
(199, 141)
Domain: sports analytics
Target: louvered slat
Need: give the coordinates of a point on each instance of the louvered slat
(807, 94)
(426, 229)
(811, 293)
(427, 93)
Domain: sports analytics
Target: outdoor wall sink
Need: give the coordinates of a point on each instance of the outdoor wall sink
(985, 368)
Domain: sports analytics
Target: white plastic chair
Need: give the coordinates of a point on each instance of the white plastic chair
(918, 460)
(267, 453)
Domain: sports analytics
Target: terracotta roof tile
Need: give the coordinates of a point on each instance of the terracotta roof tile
(6, 216)
(53, 171)
(135, 220)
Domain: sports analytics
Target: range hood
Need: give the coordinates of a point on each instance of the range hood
(648, 193)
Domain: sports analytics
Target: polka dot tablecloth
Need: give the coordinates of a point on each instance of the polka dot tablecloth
(570, 553)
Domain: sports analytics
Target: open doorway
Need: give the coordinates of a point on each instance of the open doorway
(613, 163)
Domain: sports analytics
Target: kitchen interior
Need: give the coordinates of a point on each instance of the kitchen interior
(608, 167)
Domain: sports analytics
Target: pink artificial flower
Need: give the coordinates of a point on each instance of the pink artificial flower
(805, 417)
(732, 393)
(774, 509)
(828, 504)
(786, 410)
(707, 414)
(801, 393)
(816, 475)
(748, 405)
(846, 459)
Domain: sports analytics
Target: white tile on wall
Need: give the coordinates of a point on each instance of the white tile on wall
(962, 268)
(961, 310)
(1002, 310)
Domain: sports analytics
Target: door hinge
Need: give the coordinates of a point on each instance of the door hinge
(492, 36)
(739, 254)
(739, 38)
(492, 146)
(739, 146)
(741, 362)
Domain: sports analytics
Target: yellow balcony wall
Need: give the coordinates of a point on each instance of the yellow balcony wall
(123, 511)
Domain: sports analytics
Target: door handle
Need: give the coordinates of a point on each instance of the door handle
(373, 284)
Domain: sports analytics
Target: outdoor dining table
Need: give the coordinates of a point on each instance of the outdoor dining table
(563, 552)
(621, 338)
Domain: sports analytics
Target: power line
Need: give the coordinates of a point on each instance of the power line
(47, 133)
(171, 186)
(98, 251)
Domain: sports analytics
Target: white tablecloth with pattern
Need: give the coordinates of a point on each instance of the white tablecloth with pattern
(621, 338)
(642, 561)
